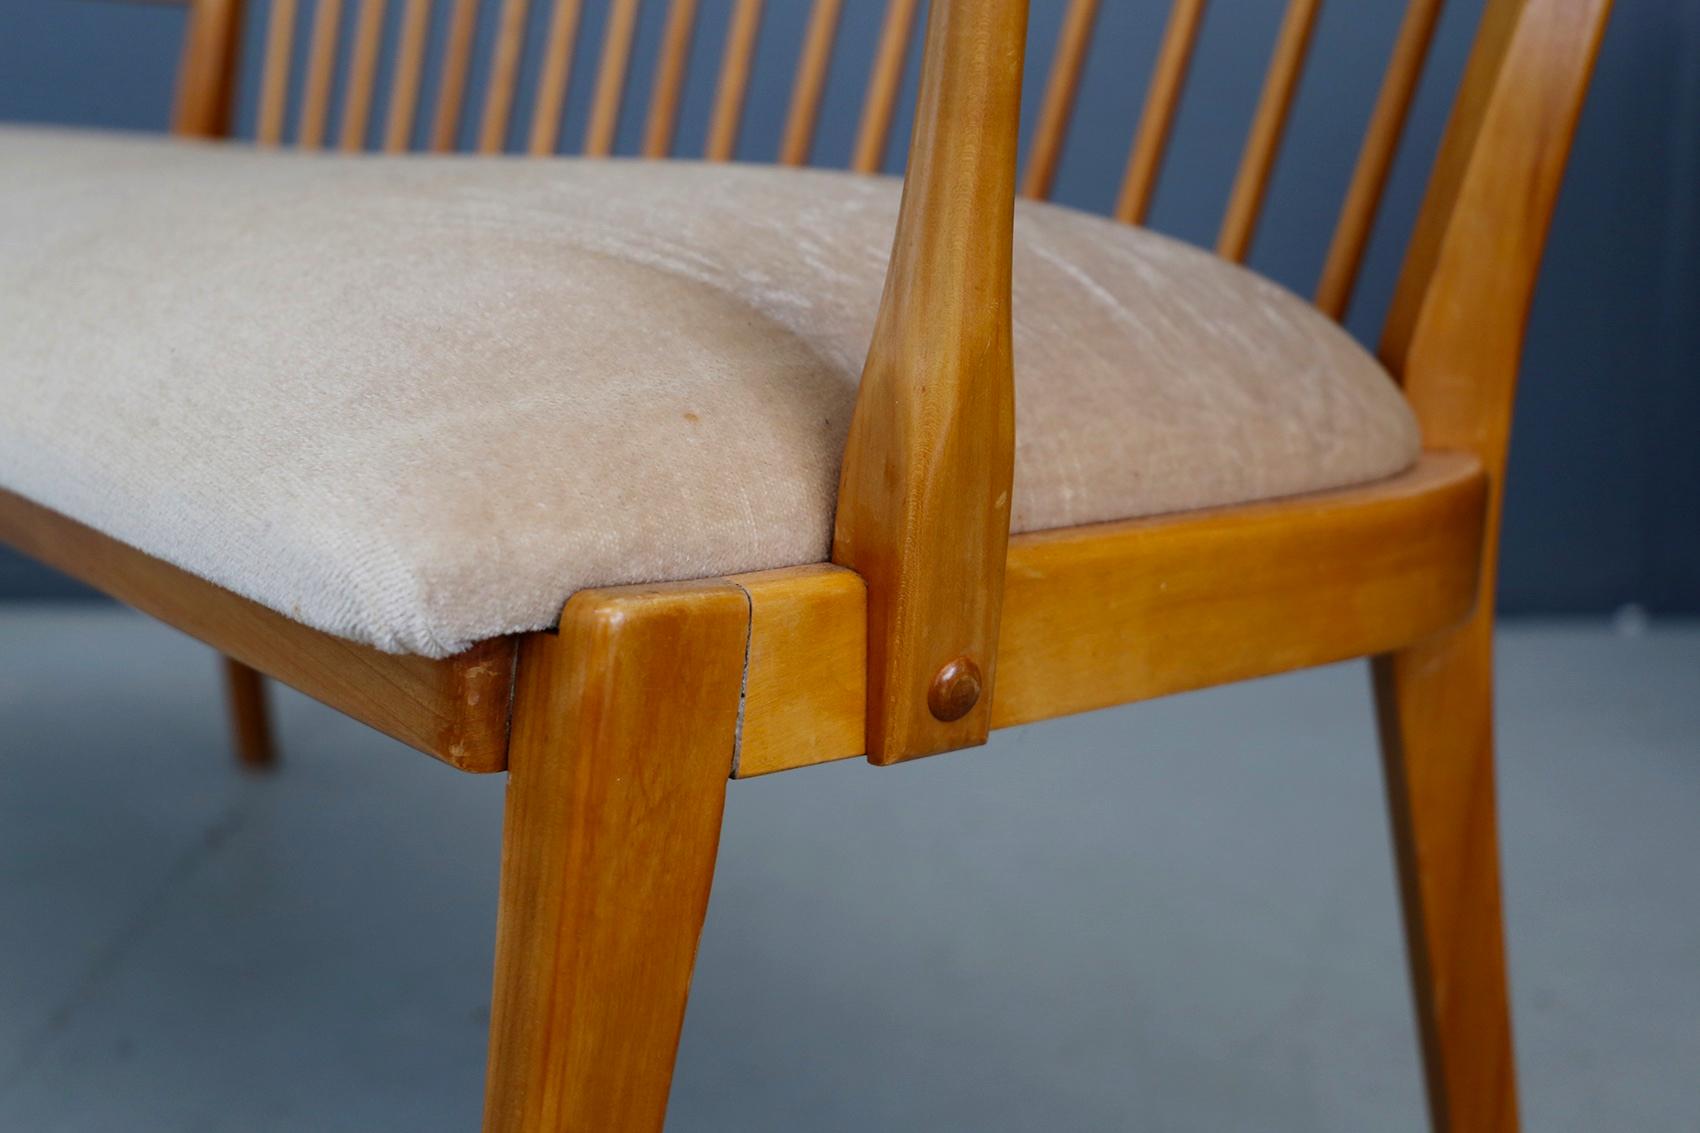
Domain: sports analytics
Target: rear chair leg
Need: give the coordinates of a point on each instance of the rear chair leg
(250, 716)
(1435, 707)
(623, 734)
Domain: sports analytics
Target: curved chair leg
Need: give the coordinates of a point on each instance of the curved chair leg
(250, 716)
(1435, 706)
(623, 735)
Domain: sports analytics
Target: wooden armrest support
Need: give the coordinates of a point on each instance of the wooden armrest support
(923, 504)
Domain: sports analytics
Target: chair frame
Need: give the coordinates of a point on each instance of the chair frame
(621, 728)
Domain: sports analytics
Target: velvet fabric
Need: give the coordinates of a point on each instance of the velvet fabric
(417, 402)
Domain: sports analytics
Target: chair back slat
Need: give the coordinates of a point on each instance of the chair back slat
(457, 65)
(1157, 118)
(274, 72)
(362, 74)
(558, 45)
(669, 85)
(504, 75)
(813, 63)
(611, 78)
(1061, 89)
(1251, 184)
(321, 67)
(874, 134)
(736, 61)
(1375, 159)
(409, 69)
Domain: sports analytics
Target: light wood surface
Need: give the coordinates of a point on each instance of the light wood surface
(737, 58)
(451, 84)
(455, 709)
(362, 74)
(409, 70)
(923, 498)
(880, 104)
(806, 683)
(1057, 109)
(1157, 118)
(504, 75)
(624, 725)
(668, 87)
(813, 62)
(1112, 613)
(1375, 158)
(616, 59)
(274, 72)
(250, 716)
(321, 63)
(206, 76)
(558, 46)
(1269, 124)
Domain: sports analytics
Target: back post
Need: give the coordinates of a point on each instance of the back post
(206, 79)
(924, 495)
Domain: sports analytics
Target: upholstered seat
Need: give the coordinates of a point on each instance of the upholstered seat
(418, 401)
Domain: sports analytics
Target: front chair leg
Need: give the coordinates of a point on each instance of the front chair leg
(622, 746)
(250, 716)
(1435, 705)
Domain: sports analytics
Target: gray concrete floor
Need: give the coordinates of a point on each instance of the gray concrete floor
(1173, 916)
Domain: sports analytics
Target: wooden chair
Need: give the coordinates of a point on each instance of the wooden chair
(620, 728)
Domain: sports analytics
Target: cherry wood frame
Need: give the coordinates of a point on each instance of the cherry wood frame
(621, 729)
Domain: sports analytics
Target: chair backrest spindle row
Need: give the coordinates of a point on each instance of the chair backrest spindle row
(1157, 119)
(874, 134)
(810, 86)
(1061, 89)
(735, 66)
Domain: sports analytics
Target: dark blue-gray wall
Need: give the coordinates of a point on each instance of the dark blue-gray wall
(1604, 494)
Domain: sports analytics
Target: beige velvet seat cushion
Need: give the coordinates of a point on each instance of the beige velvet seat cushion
(417, 402)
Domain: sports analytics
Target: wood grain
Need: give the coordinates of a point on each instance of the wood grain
(813, 62)
(1157, 117)
(880, 104)
(455, 709)
(624, 725)
(803, 698)
(923, 499)
(1057, 109)
(1111, 613)
(736, 61)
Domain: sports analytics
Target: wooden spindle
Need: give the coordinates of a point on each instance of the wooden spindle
(274, 74)
(1157, 118)
(878, 109)
(1251, 185)
(611, 78)
(812, 66)
(409, 66)
(362, 74)
(558, 45)
(321, 64)
(451, 87)
(1375, 159)
(504, 75)
(1067, 66)
(669, 82)
(741, 35)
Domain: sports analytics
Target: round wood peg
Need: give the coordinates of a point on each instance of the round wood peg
(955, 690)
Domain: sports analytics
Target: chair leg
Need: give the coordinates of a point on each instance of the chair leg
(250, 716)
(623, 735)
(1435, 706)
